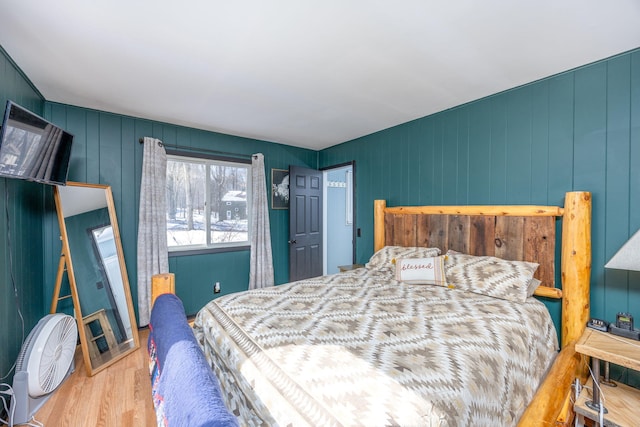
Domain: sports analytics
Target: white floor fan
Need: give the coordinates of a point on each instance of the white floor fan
(44, 362)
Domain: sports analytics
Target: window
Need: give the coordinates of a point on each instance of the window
(208, 203)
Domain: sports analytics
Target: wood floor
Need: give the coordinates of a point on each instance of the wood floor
(117, 396)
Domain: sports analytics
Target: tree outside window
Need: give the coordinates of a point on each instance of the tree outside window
(208, 203)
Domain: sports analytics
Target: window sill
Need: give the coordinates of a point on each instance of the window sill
(203, 251)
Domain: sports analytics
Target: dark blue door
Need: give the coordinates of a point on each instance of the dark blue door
(305, 223)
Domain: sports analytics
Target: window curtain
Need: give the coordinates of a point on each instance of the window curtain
(152, 223)
(261, 266)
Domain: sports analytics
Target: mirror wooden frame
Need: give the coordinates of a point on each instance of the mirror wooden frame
(66, 264)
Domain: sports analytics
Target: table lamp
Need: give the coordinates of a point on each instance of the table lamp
(627, 258)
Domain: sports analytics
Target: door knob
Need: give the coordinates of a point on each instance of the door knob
(292, 242)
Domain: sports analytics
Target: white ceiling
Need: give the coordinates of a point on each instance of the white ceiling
(303, 73)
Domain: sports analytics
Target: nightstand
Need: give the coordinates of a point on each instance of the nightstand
(622, 403)
(344, 268)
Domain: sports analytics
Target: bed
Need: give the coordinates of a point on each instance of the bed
(363, 348)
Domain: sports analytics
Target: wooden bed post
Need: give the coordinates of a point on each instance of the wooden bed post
(552, 400)
(163, 283)
(378, 224)
(576, 264)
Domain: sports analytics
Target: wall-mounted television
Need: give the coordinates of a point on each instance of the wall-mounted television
(32, 148)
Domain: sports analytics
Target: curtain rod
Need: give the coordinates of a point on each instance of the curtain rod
(204, 150)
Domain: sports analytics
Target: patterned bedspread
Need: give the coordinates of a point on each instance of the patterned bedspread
(359, 348)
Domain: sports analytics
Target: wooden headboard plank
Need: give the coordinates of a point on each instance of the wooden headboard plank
(482, 235)
(423, 230)
(408, 237)
(458, 234)
(437, 230)
(539, 244)
(509, 240)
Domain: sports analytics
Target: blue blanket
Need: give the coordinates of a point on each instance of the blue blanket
(185, 390)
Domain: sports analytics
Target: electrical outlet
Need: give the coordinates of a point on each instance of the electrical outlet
(216, 288)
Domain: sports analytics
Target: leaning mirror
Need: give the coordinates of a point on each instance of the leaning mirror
(94, 261)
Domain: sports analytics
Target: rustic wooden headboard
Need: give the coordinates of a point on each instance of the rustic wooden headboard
(502, 234)
(517, 232)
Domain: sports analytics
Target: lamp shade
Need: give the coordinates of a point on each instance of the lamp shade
(628, 257)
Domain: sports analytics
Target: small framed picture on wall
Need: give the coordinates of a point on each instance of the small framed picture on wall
(279, 189)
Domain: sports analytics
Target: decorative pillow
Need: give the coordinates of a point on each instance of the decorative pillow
(421, 271)
(386, 256)
(491, 276)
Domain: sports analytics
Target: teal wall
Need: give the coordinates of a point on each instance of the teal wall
(106, 151)
(576, 131)
(20, 262)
